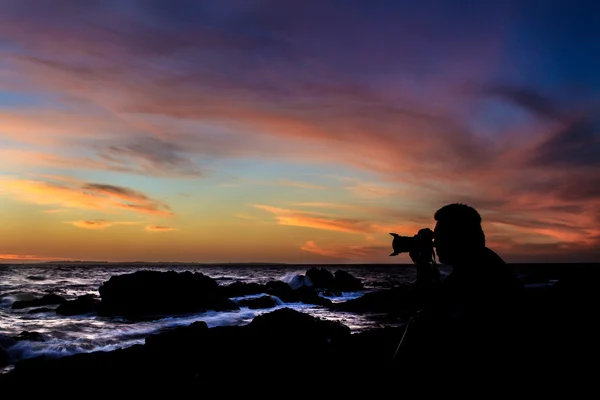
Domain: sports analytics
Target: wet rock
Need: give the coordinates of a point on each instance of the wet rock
(341, 281)
(259, 302)
(346, 282)
(320, 277)
(49, 299)
(237, 289)
(81, 305)
(304, 294)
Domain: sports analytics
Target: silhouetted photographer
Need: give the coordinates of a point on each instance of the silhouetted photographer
(464, 317)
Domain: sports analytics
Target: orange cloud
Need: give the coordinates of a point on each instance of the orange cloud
(90, 196)
(343, 252)
(159, 228)
(29, 257)
(317, 220)
(99, 223)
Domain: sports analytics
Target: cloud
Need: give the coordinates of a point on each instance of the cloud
(317, 220)
(159, 228)
(156, 90)
(88, 196)
(344, 252)
(118, 158)
(151, 156)
(99, 223)
(29, 257)
(528, 98)
(576, 145)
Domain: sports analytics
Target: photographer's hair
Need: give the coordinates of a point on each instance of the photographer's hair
(464, 220)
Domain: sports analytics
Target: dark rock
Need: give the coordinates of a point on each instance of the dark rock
(178, 336)
(345, 282)
(307, 295)
(238, 289)
(401, 299)
(259, 302)
(341, 281)
(30, 336)
(81, 305)
(4, 358)
(40, 310)
(283, 341)
(47, 300)
(161, 293)
(304, 294)
(320, 277)
(286, 322)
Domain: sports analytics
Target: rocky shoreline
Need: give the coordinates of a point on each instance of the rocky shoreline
(557, 334)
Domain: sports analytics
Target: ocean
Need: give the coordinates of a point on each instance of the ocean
(66, 335)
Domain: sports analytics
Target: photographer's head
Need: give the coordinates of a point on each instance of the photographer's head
(458, 234)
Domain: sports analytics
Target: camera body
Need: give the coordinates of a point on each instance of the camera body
(422, 242)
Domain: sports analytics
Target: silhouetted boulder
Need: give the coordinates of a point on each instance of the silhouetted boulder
(320, 277)
(307, 295)
(81, 305)
(259, 302)
(346, 282)
(144, 293)
(341, 281)
(237, 289)
(286, 322)
(47, 300)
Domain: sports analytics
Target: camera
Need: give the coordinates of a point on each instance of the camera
(421, 243)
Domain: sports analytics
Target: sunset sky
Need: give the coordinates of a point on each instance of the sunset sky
(295, 131)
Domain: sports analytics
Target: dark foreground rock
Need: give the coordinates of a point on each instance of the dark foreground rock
(552, 341)
(286, 347)
(272, 345)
